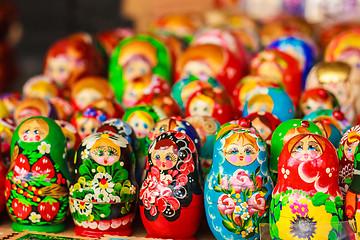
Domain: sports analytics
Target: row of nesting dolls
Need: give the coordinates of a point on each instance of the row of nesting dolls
(103, 196)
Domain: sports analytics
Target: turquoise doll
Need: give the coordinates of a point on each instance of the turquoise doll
(38, 197)
(238, 188)
(103, 196)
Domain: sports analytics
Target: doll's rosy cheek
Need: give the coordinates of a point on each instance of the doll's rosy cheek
(37, 138)
(168, 164)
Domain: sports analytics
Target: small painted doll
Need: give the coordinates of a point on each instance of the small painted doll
(7, 128)
(335, 116)
(135, 57)
(330, 129)
(307, 202)
(346, 152)
(171, 196)
(269, 99)
(10, 99)
(87, 120)
(207, 128)
(31, 107)
(210, 60)
(281, 66)
(73, 141)
(140, 86)
(40, 86)
(36, 184)
(142, 119)
(183, 89)
(89, 89)
(335, 77)
(71, 58)
(238, 188)
(265, 123)
(213, 102)
(282, 134)
(317, 99)
(103, 196)
(63, 108)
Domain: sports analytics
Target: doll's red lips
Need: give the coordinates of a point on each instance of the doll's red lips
(241, 158)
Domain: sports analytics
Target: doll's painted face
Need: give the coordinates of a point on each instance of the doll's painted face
(87, 96)
(104, 154)
(271, 70)
(136, 67)
(339, 90)
(311, 105)
(241, 152)
(70, 139)
(27, 113)
(131, 95)
(33, 130)
(87, 126)
(159, 128)
(141, 125)
(264, 130)
(164, 158)
(59, 69)
(5, 141)
(306, 149)
(201, 105)
(260, 103)
(197, 68)
(349, 150)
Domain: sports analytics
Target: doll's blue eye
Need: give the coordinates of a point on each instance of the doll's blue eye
(299, 148)
(136, 124)
(349, 150)
(93, 130)
(311, 148)
(308, 107)
(157, 157)
(142, 71)
(263, 109)
(82, 129)
(62, 69)
(36, 132)
(247, 151)
(130, 69)
(262, 130)
(27, 132)
(145, 126)
(167, 158)
(205, 109)
(234, 151)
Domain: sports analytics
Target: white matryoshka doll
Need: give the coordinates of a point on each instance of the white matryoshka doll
(307, 202)
(238, 188)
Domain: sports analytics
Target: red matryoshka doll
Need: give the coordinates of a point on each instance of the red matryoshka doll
(161, 100)
(109, 39)
(87, 120)
(73, 141)
(63, 108)
(89, 89)
(103, 196)
(317, 99)
(71, 58)
(31, 107)
(307, 202)
(210, 60)
(40, 86)
(7, 128)
(346, 152)
(335, 78)
(249, 84)
(171, 196)
(36, 183)
(10, 101)
(265, 123)
(279, 65)
(134, 61)
(213, 102)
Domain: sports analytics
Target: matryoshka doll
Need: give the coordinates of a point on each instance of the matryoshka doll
(136, 57)
(89, 89)
(307, 202)
(316, 99)
(7, 128)
(103, 196)
(207, 128)
(63, 108)
(71, 58)
(73, 141)
(40, 86)
(36, 183)
(346, 152)
(10, 101)
(31, 107)
(213, 102)
(171, 196)
(282, 134)
(279, 65)
(87, 120)
(238, 188)
(335, 116)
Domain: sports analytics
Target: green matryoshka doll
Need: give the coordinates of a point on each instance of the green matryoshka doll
(36, 184)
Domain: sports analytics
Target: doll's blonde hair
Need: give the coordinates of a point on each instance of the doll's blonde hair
(237, 136)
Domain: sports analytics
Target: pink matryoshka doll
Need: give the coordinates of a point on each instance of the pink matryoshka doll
(346, 151)
(71, 58)
(171, 196)
(87, 120)
(213, 102)
(307, 202)
(281, 66)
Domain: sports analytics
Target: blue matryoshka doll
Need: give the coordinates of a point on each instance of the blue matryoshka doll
(238, 188)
